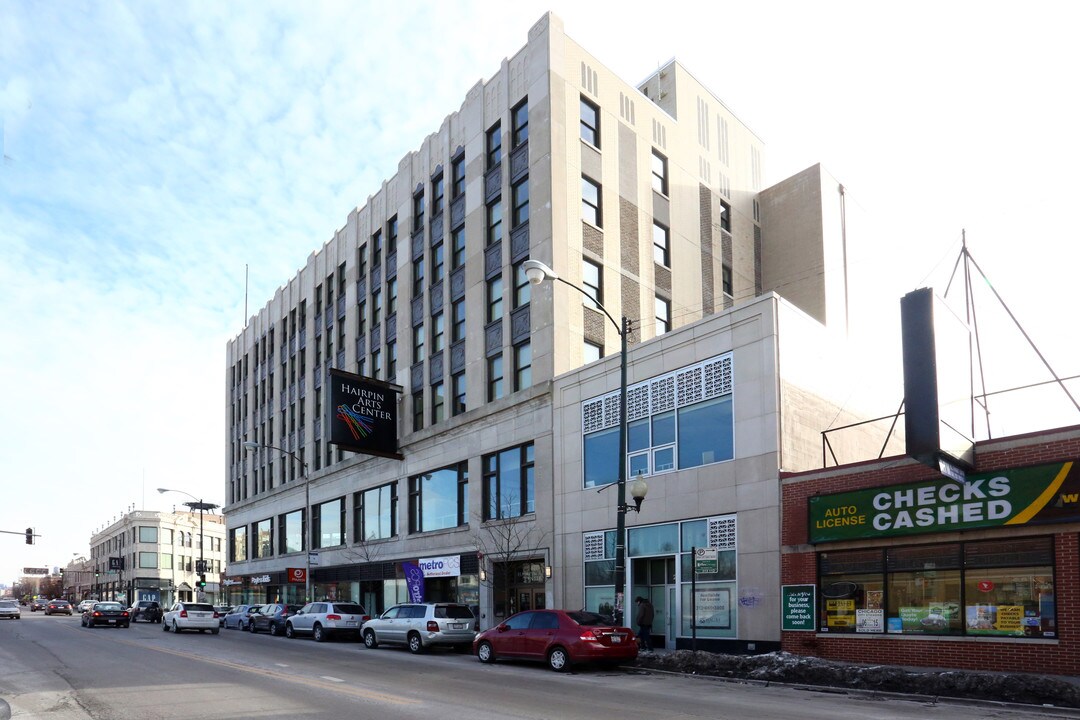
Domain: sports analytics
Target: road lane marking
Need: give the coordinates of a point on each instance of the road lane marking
(331, 678)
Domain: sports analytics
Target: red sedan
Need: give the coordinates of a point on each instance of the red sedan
(560, 638)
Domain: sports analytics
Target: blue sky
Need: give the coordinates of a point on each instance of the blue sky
(153, 150)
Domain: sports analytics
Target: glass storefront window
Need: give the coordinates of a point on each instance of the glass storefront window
(654, 540)
(716, 610)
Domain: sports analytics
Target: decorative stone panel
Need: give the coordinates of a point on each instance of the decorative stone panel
(493, 339)
(493, 260)
(519, 242)
(436, 297)
(436, 369)
(493, 183)
(520, 327)
(457, 357)
(457, 284)
(418, 243)
(437, 224)
(417, 376)
(519, 162)
(391, 328)
(457, 212)
(417, 310)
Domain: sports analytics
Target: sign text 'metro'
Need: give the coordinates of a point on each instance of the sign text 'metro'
(362, 414)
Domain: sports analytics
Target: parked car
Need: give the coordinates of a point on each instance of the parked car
(10, 609)
(84, 606)
(191, 616)
(322, 620)
(422, 625)
(146, 610)
(106, 613)
(560, 638)
(222, 611)
(272, 618)
(58, 607)
(36, 605)
(240, 616)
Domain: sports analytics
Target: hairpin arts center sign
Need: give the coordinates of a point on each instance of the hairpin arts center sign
(1024, 496)
(363, 414)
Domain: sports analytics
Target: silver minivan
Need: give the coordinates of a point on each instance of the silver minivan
(423, 625)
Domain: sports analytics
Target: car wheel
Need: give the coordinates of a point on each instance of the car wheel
(558, 660)
(289, 632)
(485, 653)
(127, 625)
(273, 630)
(370, 640)
(416, 645)
(90, 623)
(318, 633)
(175, 628)
(164, 627)
(83, 621)
(215, 631)
(251, 627)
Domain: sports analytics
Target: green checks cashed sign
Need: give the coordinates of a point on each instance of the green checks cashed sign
(1024, 496)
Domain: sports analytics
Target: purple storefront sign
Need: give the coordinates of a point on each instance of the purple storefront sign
(414, 581)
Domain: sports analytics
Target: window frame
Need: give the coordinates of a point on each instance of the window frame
(592, 212)
(493, 146)
(659, 179)
(590, 122)
(519, 122)
(661, 250)
(594, 291)
(497, 503)
(416, 498)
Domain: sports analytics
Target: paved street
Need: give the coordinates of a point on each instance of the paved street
(51, 667)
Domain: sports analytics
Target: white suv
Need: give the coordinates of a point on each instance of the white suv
(423, 625)
(191, 616)
(320, 620)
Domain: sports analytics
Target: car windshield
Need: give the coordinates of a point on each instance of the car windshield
(591, 619)
(200, 607)
(7, 603)
(457, 612)
(350, 608)
(108, 606)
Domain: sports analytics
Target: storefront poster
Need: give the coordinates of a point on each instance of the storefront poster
(840, 613)
(713, 608)
(935, 618)
(1024, 496)
(870, 620)
(799, 607)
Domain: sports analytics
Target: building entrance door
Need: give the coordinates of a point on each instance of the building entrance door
(654, 578)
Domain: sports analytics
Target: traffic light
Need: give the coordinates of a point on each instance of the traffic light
(29, 536)
(202, 581)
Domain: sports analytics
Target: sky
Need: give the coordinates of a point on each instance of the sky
(157, 154)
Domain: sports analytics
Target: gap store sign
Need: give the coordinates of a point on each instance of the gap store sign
(1025, 496)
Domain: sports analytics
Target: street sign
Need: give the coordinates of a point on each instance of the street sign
(116, 563)
(313, 558)
(35, 571)
(798, 607)
(706, 561)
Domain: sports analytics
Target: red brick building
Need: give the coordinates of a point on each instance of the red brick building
(892, 563)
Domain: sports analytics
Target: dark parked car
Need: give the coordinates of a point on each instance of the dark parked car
(560, 638)
(146, 610)
(36, 605)
(58, 607)
(271, 618)
(106, 613)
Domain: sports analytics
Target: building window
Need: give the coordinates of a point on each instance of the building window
(376, 307)
(593, 281)
(437, 194)
(659, 173)
(376, 364)
(418, 411)
(687, 422)
(418, 212)
(457, 175)
(328, 523)
(663, 315)
(439, 500)
(291, 532)
(376, 249)
(166, 561)
(264, 538)
(522, 292)
(418, 276)
(392, 235)
(391, 359)
(458, 331)
(418, 344)
(148, 534)
(457, 403)
(238, 546)
(361, 318)
(592, 352)
(438, 402)
(725, 216)
(520, 197)
(361, 262)
(660, 245)
(495, 378)
(494, 299)
(520, 117)
(148, 560)
(522, 366)
(457, 252)
(1002, 588)
(438, 328)
(438, 263)
(726, 281)
(591, 211)
(494, 222)
(590, 123)
(391, 296)
(494, 146)
(509, 488)
(375, 513)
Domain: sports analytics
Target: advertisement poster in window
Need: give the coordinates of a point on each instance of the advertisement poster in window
(934, 618)
(870, 620)
(714, 608)
(839, 613)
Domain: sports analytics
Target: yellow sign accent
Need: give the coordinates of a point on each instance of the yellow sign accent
(1040, 502)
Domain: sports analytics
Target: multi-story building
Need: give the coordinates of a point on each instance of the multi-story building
(649, 200)
(151, 555)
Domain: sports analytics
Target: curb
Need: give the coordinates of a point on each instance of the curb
(1049, 711)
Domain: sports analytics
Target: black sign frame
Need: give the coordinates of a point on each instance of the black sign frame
(362, 414)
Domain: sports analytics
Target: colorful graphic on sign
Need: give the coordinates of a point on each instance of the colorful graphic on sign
(1024, 496)
(359, 425)
(363, 414)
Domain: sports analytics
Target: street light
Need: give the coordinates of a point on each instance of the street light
(199, 505)
(251, 446)
(537, 272)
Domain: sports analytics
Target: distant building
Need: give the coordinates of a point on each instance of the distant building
(159, 552)
(651, 200)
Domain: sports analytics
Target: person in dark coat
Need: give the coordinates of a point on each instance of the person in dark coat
(644, 622)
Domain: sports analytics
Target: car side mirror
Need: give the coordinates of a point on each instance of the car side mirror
(503, 628)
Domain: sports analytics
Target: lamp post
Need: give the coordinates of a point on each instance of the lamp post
(537, 272)
(196, 504)
(251, 446)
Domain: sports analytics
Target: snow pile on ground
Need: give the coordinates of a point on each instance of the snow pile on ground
(802, 670)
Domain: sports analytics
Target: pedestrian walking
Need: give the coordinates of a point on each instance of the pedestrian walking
(644, 622)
